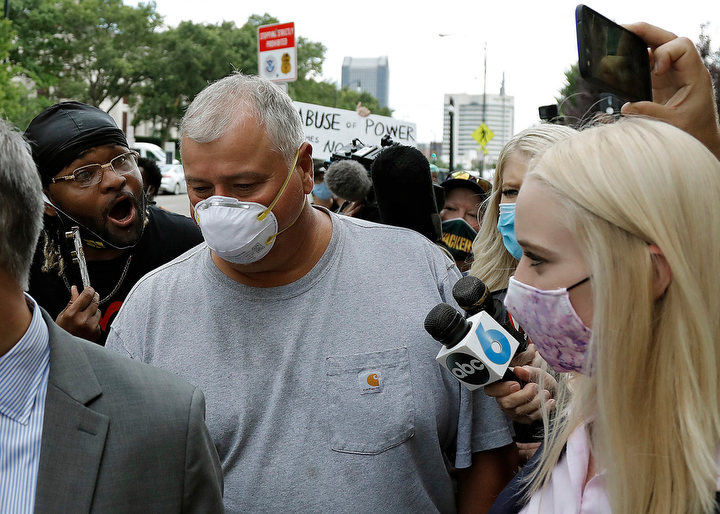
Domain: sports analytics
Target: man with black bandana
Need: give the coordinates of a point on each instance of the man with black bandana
(91, 180)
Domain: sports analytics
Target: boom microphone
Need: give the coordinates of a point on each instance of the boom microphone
(404, 191)
(348, 180)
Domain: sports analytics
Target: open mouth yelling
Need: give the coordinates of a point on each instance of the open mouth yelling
(122, 212)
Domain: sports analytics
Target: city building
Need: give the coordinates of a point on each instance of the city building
(369, 75)
(468, 116)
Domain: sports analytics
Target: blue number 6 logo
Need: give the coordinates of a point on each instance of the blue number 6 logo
(487, 338)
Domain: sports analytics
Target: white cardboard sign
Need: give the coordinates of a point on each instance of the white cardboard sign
(328, 129)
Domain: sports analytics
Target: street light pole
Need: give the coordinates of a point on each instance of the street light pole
(451, 114)
(482, 162)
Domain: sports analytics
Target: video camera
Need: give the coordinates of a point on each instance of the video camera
(360, 152)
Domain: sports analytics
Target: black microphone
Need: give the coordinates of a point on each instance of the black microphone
(404, 191)
(477, 351)
(473, 296)
(348, 180)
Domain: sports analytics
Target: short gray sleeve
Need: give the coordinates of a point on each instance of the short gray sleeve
(129, 321)
(116, 344)
(481, 424)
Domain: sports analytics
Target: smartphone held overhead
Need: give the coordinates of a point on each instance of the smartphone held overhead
(611, 57)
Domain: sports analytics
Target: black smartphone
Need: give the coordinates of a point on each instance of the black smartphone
(611, 57)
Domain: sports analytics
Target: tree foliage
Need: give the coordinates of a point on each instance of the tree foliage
(712, 61)
(327, 93)
(18, 102)
(99, 51)
(577, 98)
(89, 51)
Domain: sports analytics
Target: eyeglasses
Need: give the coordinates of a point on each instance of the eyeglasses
(92, 174)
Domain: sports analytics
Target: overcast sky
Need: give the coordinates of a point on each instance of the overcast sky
(532, 42)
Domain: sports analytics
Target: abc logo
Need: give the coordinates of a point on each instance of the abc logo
(373, 380)
(467, 368)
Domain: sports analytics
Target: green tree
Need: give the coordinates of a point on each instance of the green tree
(92, 50)
(189, 56)
(327, 93)
(577, 97)
(185, 60)
(18, 103)
(712, 61)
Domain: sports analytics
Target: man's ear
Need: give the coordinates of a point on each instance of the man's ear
(305, 166)
(662, 274)
(49, 209)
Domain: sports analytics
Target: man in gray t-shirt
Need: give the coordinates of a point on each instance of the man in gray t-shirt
(322, 389)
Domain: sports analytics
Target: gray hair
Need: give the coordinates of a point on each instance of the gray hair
(214, 110)
(21, 205)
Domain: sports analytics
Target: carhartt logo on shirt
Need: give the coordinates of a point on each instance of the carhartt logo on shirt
(370, 382)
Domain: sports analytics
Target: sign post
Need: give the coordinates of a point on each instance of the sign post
(483, 135)
(277, 53)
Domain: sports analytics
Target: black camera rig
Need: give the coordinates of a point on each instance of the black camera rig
(360, 152)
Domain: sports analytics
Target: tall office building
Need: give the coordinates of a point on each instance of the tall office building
(369, 75)
(499, 117)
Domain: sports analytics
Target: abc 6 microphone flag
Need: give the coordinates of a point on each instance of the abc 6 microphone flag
(482, 356)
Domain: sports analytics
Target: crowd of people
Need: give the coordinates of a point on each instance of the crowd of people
(269, 354)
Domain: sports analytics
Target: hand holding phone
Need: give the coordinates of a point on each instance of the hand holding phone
(681, 84)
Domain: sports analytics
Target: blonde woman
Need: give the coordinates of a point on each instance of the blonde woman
(496, 254)
(618, 286)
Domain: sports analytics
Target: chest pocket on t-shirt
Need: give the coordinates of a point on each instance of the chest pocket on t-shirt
(371, 401)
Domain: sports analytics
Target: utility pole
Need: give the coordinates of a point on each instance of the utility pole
(484, 110)
(7, 9)
(451, 114)
(502, 94)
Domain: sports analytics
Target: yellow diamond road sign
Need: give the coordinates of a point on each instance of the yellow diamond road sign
(483, 135)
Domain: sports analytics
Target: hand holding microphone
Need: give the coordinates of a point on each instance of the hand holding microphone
(520, 401)
(477, 351)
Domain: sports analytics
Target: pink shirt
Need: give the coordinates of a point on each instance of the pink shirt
(567, 493)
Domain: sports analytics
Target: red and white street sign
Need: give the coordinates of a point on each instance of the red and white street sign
(277, 53)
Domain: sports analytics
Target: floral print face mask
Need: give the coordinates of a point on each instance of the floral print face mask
(549, 320)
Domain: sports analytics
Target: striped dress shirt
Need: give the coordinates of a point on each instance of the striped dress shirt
(23, 384)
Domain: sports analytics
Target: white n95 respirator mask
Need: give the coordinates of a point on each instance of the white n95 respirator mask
(240, 232)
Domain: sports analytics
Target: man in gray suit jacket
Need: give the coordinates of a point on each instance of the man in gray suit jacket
(83, 429)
